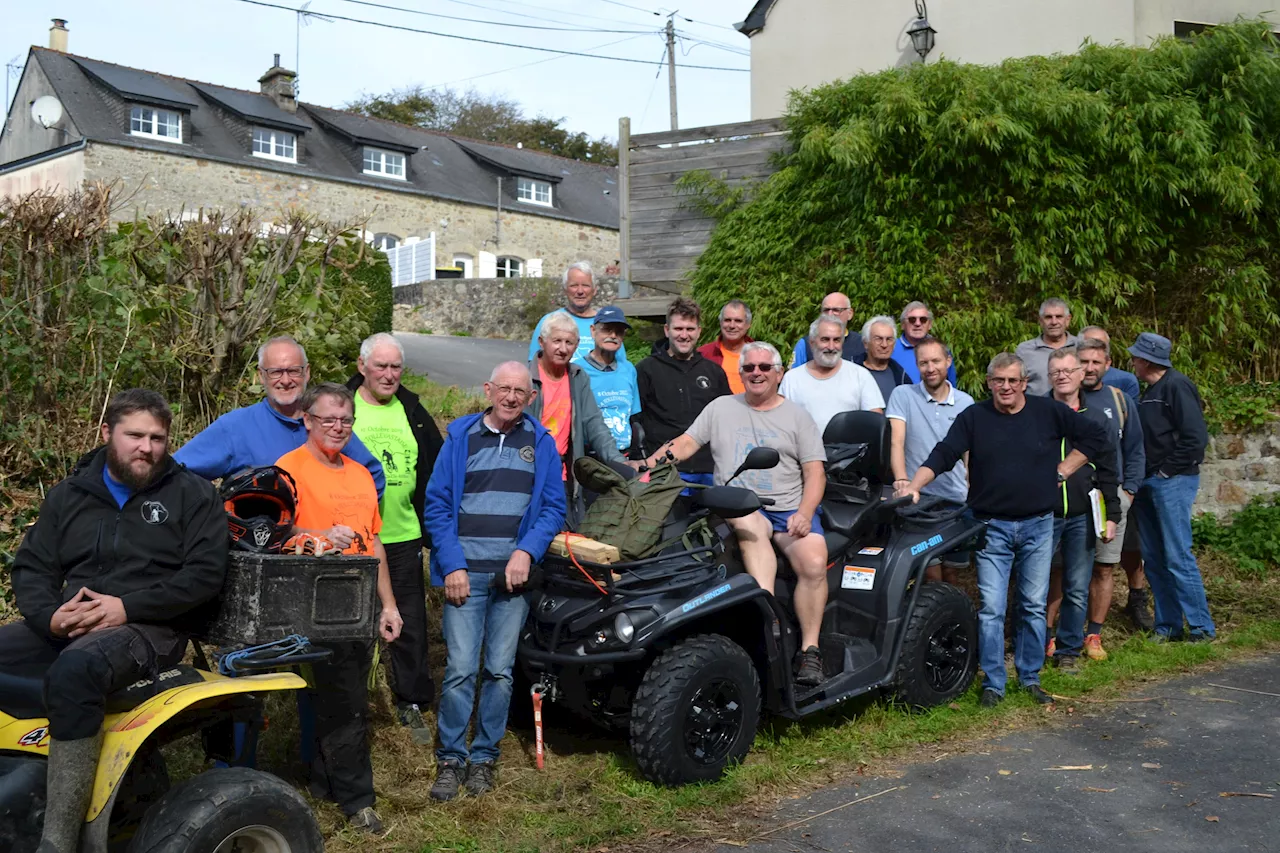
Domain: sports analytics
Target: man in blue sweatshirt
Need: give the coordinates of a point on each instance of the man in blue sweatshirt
(260, 434)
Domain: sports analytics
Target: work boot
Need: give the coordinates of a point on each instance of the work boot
(1138, 609)
(1093, 649)
(1036, 692)
(990, 698)
(448, 780)
(480, 778)
(72, 767)
(809, 673)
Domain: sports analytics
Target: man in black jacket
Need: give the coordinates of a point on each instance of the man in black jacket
(1174, 436)
(675, 386)
(107, 580)
(399, 432)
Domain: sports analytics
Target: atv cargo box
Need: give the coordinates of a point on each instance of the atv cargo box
(267, 597)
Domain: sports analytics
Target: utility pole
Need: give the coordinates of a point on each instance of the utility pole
(671, 67)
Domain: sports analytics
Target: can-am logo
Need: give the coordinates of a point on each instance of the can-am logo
(936, 539)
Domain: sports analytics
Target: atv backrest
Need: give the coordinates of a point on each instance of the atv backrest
(871, 429)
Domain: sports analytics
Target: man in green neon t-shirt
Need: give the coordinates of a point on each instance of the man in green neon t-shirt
(400, 434)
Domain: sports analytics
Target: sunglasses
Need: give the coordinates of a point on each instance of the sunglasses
(914, 320)
(752, 368)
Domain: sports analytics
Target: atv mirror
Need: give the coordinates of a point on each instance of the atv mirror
(728, 501)
(758, 459)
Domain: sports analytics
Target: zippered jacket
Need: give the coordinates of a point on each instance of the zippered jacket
(163, 554)
(673, 392)
(1100, 472)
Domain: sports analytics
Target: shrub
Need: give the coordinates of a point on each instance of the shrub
(1251, 537)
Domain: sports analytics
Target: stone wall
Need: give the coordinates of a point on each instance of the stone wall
(162, 183)
(1237, 468)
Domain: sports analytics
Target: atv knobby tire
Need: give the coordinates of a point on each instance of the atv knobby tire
(206, 810)
(695, 712)
(940, 650)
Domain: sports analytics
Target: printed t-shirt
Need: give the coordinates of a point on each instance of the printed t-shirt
(850, 388)
(731, 361)
(386, 432)
(617, 392)
(329, 496)
(557, 411)
(732, 428)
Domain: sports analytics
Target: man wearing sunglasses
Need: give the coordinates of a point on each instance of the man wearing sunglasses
(259, 434)
(917, 326)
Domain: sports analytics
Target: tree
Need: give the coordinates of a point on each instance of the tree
(489, 118)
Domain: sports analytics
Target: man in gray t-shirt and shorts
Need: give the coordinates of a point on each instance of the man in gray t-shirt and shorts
(759, 417)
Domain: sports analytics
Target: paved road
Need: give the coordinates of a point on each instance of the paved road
(465, 362)
(1158, 770)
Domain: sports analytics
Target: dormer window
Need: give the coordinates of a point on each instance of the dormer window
(156, 124)
(275, 144)
(388, 164)
(534, 192)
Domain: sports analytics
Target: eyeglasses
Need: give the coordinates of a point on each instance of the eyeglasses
(1064, 371)
(915, 320)
(828, 309)
(1001, 381)
(330, 423)
(508, 391)
(752, 368)
(278, 372)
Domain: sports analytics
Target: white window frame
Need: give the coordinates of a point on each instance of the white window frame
(504, 265)
(467, 264)
(530, 191)
(376, 161)
(275, 141)
(381, 238)
(139, 120)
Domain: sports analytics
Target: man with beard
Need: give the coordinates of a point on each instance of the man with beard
(919, 417)
(1055, 320)
(761, 417)
(879, 335)
(726, 349)
(258, 435)
(613, 379)
(838, 307)
(579, 292)
(337, 500)
(97, 619)
(917, 326)
(829, 384)
(676, 384)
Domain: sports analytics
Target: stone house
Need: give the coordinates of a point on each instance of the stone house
(435, 202)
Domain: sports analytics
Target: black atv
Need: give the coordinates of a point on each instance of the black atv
(684, 649)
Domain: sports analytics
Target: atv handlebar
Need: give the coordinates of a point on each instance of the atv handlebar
(894, 503)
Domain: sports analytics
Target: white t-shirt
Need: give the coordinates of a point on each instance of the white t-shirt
(851, 388)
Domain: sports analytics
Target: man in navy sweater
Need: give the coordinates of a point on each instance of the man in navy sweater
(1016, 474)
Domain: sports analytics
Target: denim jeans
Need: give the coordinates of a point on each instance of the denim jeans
(1024, 545)
(1076, 536)
(492, 618)
(1163, 507)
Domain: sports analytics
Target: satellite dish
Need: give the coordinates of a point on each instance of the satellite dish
(46, 110)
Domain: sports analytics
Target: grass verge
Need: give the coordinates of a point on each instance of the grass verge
(444, 402)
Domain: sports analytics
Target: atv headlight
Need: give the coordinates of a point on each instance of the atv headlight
(623, 628)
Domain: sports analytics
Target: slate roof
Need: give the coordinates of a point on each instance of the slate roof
(215, 119)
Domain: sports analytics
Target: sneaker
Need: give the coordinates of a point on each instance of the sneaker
(1036, 692)
(1051, 647)
(990, 698)
(448, 780)
(1093, 649)
(809, 673)
(480, 778)
(1067, 663)
(1161, 639)
(410, 715)
(1138, 609)
(368, 820)
(1197, 637)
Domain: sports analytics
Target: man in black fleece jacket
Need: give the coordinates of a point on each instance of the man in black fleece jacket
(1174, 436)
(1016, 472)
(124, 551)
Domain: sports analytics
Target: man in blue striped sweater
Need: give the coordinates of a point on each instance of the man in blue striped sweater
(494, 502)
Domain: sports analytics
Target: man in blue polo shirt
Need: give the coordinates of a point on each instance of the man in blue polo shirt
(260, 434)
(613, 380)
(917, 324)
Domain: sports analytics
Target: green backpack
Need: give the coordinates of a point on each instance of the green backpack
(628, 514)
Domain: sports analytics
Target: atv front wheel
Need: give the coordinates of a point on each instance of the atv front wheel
(940, 651)
(230, 810)
(695, 712)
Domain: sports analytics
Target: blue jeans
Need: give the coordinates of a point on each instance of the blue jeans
(1163, 507)
(1077, 539)
(1024, 545)
(492, 618)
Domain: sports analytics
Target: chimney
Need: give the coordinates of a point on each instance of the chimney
(277, 84)
(58, 35)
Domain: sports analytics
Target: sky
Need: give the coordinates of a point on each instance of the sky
(231, 43)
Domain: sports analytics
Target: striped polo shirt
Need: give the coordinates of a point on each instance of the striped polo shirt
(496, 492)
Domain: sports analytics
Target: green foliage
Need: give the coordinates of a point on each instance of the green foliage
(1251, 539)
(1143, 185)
(1242, 407)
(374, 275)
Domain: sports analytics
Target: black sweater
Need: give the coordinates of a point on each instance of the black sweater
(1013, 459)
(163, 554)
(673, 392)
(1173, 429)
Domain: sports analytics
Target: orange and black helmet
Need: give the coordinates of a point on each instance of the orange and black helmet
(261, 506)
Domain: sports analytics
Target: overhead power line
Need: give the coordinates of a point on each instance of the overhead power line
(495, 23)
(585, 53)
(473, 39)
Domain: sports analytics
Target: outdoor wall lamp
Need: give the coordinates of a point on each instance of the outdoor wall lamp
(921, 32)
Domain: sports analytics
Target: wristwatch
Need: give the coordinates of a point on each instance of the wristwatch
(1062, 478)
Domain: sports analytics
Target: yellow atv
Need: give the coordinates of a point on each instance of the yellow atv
(133, 809)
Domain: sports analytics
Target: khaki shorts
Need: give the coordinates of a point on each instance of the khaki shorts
(1109, 552)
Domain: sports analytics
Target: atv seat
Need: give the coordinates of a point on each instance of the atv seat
(23, 698)
(848, 519)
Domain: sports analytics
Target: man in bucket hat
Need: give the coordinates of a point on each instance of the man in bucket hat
(1174, 436)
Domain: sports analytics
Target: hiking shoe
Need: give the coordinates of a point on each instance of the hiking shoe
(1051, 647)
(1036, 692)
(1067, 663)
(1093, 649)
(1161, 639)
(448, 780)
(480, 778)
(1197, 637)
(367, 819)
(990, 698)
(809, 673)
(1138, 609)
(410, 715)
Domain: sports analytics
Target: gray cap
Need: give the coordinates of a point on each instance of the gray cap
(1152, 347)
